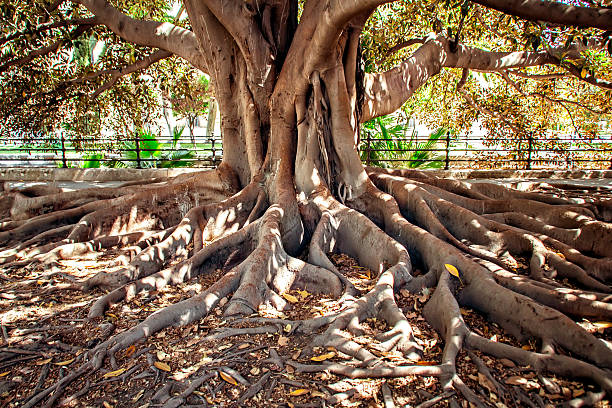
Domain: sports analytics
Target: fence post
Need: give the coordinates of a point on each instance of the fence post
(138, 153)
(367, 149)
(64, 163)
(214, 151)
(447, 159)
(529, 149)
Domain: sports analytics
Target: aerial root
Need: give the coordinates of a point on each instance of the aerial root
(50, 254)
(522, 316)
(269, 272)
(178, 314)
(348, 231)
(205, 261)
(498, 238)
(200, 224)
(573, 302)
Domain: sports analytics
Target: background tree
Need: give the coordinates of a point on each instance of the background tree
(292, 91)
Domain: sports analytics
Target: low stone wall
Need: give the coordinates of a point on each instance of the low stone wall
(108, 175)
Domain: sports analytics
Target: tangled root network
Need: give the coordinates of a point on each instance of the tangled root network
(535, 261)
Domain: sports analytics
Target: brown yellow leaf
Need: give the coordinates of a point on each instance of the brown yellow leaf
(486, 383)
(324, 357)
(283, 341)
(452, 270)
(228, 378)
(287, 328)
(114, 373)
(523, 382)
(603, 325)
(426, 363)
(290, 298)
(107, 405)
(65, 363)
(130, 350)
(162, 366)
(298, 392)
(243, 346)
(4, 374)
(303, 294)
(583, 73)
(577, 393)
(43, 362)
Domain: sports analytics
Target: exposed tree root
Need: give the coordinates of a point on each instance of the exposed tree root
(513, 249)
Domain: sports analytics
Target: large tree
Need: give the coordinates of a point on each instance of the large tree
(292, 91)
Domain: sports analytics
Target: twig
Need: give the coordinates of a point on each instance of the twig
(255, 388)
(433, 401)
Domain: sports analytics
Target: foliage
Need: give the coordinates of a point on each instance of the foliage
(390, 146)
(154, 154)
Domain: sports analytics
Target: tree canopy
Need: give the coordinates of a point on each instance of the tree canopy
(46, 81)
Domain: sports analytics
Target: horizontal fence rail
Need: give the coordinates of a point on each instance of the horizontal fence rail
(98, 151)
(533, 151)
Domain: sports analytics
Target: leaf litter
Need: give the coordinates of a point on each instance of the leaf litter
(52, 329)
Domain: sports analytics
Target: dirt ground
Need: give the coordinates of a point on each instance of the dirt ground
(46, 335)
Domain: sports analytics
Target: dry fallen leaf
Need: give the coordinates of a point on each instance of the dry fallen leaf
(114, 373)
(523, 382)
(138, 396)
(162, 366)
(324, 357)
(243, 346)
(228, 378)
(65, 363)
(4, 374)
(486, 383)
(426, 363)
(453, 271)
(303, 294)
(287, 328)
(107, 405)
(290, 298)
(283, 341)
(130, 350)
(298, 392)
(43, 362)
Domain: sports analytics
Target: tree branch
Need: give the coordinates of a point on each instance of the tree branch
(553, 12)
(40, 52)
(166, 36)
(120, 72)
(48, 26)
(400, 46)
(387, 92)
(561, 102)
(556, 75)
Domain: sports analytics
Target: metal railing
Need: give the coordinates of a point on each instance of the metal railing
(449, 152)
(533, 151)
(98, 151)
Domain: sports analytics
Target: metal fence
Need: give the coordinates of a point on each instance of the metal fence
(98, 151)
(450, 152)
(533, 151)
